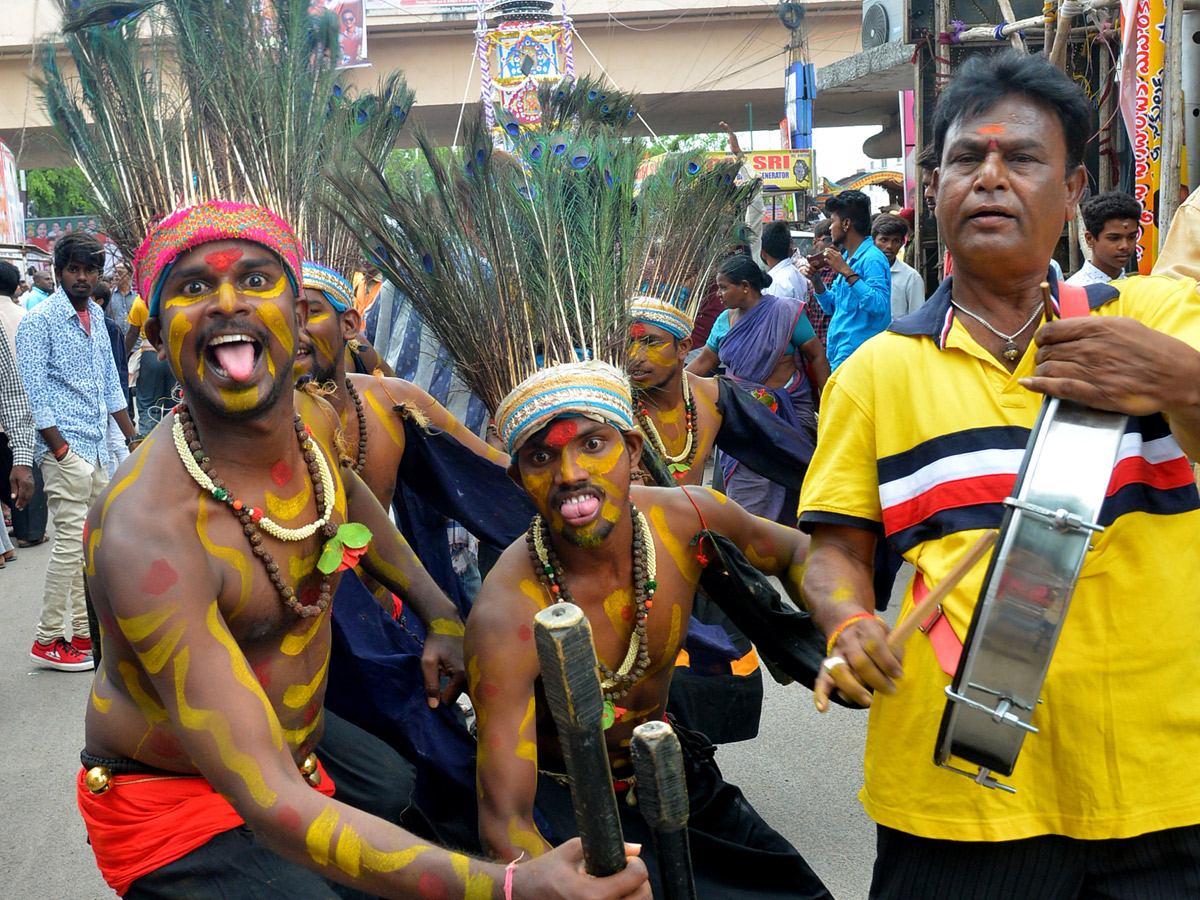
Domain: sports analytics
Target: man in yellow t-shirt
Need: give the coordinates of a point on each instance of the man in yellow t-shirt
(155, 381)
(922, 433)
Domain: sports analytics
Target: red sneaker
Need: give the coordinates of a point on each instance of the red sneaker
(83, 645)
(59, 654)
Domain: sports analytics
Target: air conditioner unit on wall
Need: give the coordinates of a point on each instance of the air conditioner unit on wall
(883, 22)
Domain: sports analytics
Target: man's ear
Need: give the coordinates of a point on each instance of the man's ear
(515, 474)
(685, 346)
(351, 323)
(153, 329)
(301, 311)
(634, 443)
(1089, 239)
(1076, 182)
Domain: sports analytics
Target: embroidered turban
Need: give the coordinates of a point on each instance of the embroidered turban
(661, 314)
(595, 390)
(216, 220)
(337, 290)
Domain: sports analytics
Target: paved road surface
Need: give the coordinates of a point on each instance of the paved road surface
(802, 773)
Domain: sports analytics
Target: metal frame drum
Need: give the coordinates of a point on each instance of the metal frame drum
(1044, 538)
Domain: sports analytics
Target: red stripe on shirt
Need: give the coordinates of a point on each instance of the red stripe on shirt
(948, 495)
(1173, 473)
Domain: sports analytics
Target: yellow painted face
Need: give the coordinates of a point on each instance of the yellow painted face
(653, 356)
(229, 319)
(576, 471)
(321, 343)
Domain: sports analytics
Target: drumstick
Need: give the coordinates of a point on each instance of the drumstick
(663, 800)
(906, 626)
(1046, 301)
(572, 684)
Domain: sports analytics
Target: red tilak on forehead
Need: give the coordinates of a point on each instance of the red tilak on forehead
(560, 433)
(638, 330)
(223, 259)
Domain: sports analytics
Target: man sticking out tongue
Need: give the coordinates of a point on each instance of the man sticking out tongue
(208, 697)
(630, 557)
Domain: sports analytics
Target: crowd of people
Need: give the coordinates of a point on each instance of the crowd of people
(273, 708)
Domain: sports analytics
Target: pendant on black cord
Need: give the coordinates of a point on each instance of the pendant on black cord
(1011, 351)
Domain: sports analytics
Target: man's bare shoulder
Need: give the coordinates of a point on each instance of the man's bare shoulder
(394, 389)
(149, 492)
(500, 627)
(704, 385)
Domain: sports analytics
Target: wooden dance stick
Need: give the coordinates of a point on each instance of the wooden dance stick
(906, 626)
(1046, 302)
(663, 800)
(572, 684)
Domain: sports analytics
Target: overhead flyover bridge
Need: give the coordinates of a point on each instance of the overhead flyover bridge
(694, 64)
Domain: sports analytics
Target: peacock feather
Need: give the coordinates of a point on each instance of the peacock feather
(177, 102)
(527, 256)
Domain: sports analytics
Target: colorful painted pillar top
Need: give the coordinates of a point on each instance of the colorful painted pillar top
(526, 46)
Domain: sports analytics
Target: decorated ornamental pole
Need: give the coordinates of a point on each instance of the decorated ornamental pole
(525, 46)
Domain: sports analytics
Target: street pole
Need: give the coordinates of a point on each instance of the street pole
(750, 106)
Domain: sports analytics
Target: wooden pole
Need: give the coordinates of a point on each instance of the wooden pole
(1107, 177)
(663, 799)
(572, 683)
(1062, 37)
(1014, 37)
(906, 626)
(1172, 121)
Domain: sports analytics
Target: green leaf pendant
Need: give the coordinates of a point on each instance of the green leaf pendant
(609, 716)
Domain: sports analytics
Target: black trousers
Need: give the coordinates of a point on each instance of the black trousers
(29, 524)
(1162, 865)
(735, 854)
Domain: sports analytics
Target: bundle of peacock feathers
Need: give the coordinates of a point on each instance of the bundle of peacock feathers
(181, 101)
(527, 256)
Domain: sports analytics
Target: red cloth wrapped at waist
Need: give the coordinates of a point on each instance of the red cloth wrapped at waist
(143, 822)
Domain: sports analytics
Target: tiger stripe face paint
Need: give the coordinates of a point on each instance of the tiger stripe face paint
(229, 317)
(581, 486)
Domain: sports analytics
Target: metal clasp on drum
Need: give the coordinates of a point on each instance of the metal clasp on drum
(1059, 519)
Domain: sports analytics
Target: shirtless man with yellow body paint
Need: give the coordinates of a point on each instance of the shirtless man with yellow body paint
(214, 627)
(570, 431)
(332, 323)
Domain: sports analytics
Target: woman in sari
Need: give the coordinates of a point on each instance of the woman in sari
(757, 338)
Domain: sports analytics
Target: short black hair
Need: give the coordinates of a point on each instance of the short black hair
(984, 81)
(1109, 205)
(78, 247)
(777, 240)
(822, 229)
(9, 278)
(888, 224)
(852, 205)
(101, 293)
(740, 267)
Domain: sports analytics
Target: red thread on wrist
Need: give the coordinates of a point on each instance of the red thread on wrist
(837, 632)
(508, 877)
(61, 451)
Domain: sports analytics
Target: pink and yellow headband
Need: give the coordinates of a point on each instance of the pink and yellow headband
(216, 220)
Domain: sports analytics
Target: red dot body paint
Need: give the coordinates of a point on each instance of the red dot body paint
(637, 330)
(160, 578)
(525, 633)
(490, 690)
(430, 887)
(281, 473)
(560, 433)
(261, 673)
(289, 818)
(221, 260)
(626, 613)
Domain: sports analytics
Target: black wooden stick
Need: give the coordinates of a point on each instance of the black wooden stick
(663, 799)
(572, 685)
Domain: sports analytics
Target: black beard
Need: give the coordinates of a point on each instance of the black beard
(322, 374)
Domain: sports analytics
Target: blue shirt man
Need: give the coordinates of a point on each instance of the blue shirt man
(65, 357)
(860, 297)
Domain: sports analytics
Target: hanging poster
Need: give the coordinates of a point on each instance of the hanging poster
(352, 30)
(12, 212)
(1141, 82)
